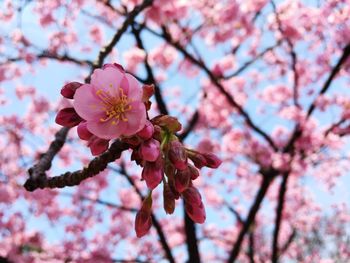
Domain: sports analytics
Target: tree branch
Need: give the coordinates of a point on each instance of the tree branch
(128, 21)
(266, 182)
(166, 36)
(150, 76)
(38, 178)
(156, 224)
(278, 220)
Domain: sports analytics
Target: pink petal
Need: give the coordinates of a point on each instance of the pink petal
(87, 104)
(134, 91)
(106, 130)
(108, 79)
(136, 118)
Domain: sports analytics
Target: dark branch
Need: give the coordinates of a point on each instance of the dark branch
(278, 219)
(190, 126)
(217, 83)
(38, 178)
(266, 181)
(155, 222)
(37, 172)
(150, 76)
(334, 72)
(127, 22)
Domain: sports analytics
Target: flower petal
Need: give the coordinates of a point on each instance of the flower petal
(87, 104)
(106, 130)
(108, 79)
(136, 118)
(135, 90)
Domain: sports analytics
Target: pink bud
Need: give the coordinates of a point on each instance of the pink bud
(114, 65)
(193, 205)
(150, 150)
(69, 89)
(68, 117)
(148, 91)
(198, 159)
(147, 131)
(192, 196)
(143, 220)
(177, 155)
(168, 199)
(196, 212)
(193, 171)
(212, 160)
(182, 180)
(152, 173)
(83, 132)
(97, 145)
(167, 122)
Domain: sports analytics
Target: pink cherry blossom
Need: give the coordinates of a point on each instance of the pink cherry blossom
(111, 104)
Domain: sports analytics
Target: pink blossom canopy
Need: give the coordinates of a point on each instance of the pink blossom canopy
(111, 104)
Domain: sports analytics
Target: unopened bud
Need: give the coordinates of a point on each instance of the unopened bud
(197, 158)
(98, 145)
(143, 220)
(69, 89)
(150, 150)
(169, 199)
(212, 160)
(152, 173)
(193, 205)
(147, 131)
(177, 155)
(83, 132)
(167, 122)
(68, 117)
(193, 171)
(182, 180)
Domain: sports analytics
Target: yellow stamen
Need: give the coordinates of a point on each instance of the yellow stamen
(115, 107)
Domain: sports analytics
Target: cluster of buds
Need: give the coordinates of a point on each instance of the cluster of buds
(102, 113)
(166, 160)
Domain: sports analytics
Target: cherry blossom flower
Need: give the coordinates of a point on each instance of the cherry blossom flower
(112, 104)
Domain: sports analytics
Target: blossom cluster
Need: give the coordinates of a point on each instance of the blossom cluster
(114, 106)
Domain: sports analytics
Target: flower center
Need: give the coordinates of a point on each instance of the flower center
(114, 107)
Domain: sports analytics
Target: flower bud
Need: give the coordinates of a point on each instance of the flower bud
(150, 150)
(148, 91)
(143, 220)
(177, 155)
(193, 171)
(68, 117)
(212, 160)
(83, 132)
(182, 180)
(135, 156)
(167, 122)
(193, 205)
(97, 145)
(69, 89)
(147, 131)
(198, 159)
(152, 173)
(169, 199)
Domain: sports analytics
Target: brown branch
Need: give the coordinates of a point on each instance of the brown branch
(252, 61)
(192, 123)
(297, 131)
(289, 241)
(166, 36)
(37, 172)
(266, 182)
(345, 55)
(278, 220)
(251, 248)
(38, 178)
(150, 76)
(127, 22)
(156, 224)
(293, 57)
